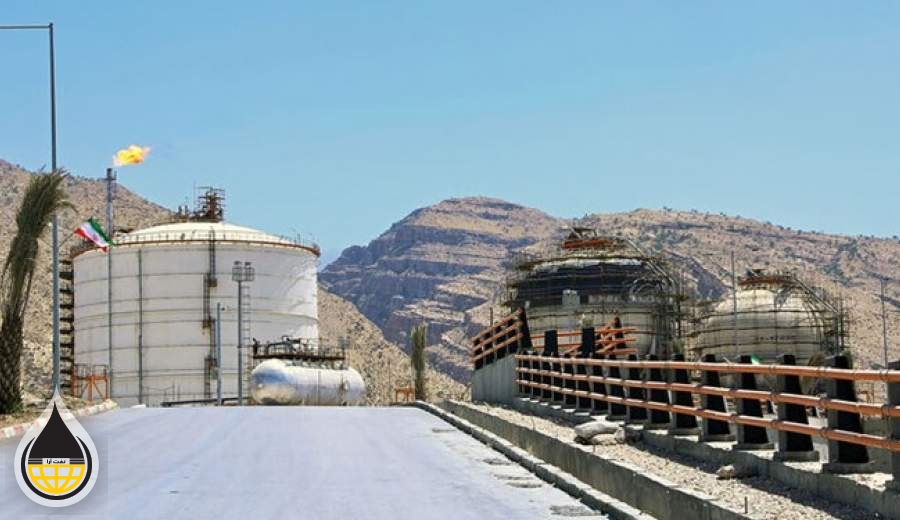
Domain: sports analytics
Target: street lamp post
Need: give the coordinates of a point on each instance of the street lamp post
(219, 353)
(734, 333)
(710, 254)
(53, 167)
(734, 341)
(241, 272)
(884, 324)
(110, 193)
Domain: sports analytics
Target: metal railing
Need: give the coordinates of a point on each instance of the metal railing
(509, 335)
(665, 394)
(206, 235)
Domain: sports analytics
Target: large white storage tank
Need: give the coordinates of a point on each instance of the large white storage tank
(166, 282)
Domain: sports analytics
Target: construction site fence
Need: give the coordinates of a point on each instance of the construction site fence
(689, 398)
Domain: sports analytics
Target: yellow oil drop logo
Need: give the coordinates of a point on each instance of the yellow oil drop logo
(56, 461)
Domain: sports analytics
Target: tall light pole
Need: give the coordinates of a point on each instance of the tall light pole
(219, 353)
(53, 167)
(884, 324)
(711, 255)
(734, 341)
(110, 193)
(241, 272)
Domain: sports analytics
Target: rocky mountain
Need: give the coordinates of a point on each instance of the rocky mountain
(444, 265)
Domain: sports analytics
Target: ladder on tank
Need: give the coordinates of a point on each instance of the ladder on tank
(66, 326)
(246, 338)
(210, 282)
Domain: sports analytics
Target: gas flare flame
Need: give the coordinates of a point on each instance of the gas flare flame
(134, 154)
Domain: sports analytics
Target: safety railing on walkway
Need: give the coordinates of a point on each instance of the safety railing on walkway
(507, 336)
(663, 394)
(610, 337)
(510, 335)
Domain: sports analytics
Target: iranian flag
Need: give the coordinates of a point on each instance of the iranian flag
(92, 231)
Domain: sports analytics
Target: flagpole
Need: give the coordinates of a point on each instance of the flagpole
(110, 188)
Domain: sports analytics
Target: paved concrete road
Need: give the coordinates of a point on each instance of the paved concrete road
(292, 462)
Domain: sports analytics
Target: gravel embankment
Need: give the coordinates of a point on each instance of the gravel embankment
(766, 498)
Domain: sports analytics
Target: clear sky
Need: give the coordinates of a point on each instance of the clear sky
(338, 118)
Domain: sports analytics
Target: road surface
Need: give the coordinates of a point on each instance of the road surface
(297, 462)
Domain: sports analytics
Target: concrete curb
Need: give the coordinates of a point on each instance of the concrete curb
(835, 488)
(630, 484)
(589, 496)
(18, 430)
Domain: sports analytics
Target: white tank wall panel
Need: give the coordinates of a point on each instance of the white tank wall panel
(283, 302)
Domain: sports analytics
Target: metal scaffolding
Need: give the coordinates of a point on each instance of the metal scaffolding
(776, 313)
(591, 277)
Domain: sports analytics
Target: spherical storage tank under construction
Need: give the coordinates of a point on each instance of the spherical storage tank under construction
(772, 314)
(166, 282)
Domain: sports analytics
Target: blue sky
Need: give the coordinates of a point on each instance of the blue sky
(338, 118)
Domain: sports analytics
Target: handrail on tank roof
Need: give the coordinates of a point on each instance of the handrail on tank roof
(161, 237)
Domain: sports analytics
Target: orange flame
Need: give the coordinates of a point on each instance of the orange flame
(134, 154)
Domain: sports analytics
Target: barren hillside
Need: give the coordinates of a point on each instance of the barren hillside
(383, 365)
(443, 265)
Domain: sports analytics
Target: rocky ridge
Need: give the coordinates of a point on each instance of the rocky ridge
(445, 265)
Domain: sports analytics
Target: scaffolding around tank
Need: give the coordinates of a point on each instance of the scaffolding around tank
(591, 279)
(770, 314)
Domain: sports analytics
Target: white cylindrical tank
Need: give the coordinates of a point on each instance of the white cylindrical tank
(276, 382)
(166, 282)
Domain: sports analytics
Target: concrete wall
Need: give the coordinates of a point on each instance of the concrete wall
(496, 382)
(654, 495)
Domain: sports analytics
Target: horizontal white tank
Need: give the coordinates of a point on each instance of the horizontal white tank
(161, 301)
(276, 382)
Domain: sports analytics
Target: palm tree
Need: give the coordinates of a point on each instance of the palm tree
(43, 197)
(419, 338)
